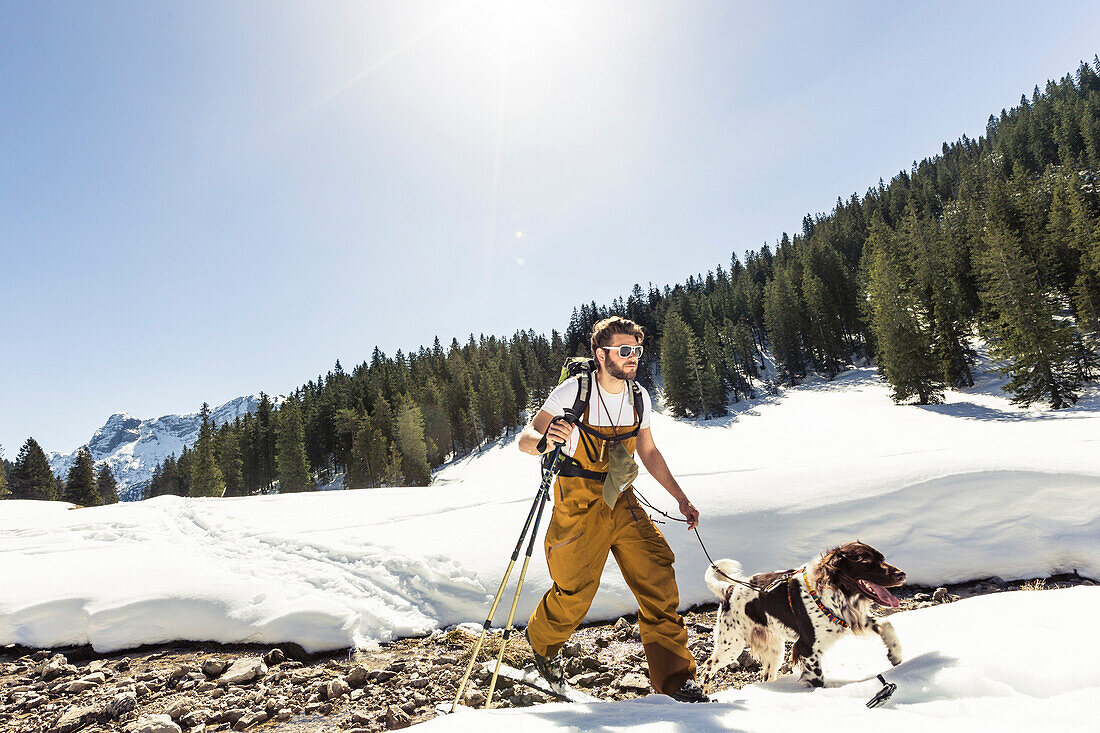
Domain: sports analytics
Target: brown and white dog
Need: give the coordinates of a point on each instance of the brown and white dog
(813, 606)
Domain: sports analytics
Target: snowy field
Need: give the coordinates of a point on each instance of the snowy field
(968, 489)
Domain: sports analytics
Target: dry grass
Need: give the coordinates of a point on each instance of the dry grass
(1037, 584)
(517, 654)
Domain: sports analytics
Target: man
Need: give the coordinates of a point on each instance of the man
(589, 519)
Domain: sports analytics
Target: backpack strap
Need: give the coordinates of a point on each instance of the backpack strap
(639, 403)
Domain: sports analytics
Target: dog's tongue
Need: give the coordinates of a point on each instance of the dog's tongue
(883, 596)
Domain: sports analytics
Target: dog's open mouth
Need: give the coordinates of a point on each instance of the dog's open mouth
(878, 594)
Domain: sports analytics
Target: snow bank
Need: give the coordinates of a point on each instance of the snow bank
(1010, 662)
(968, 489)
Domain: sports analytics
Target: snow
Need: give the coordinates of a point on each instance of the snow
(968, 489)
(1011, 662)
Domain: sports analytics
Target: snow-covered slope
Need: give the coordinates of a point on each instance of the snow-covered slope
(133, 448)
(971, 488)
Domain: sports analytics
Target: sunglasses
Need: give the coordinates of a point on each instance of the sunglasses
(625, 351)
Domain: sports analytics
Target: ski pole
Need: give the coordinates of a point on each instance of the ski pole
(523, 574)
(536, 506)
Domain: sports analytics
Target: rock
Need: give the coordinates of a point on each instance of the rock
(636, 632)
(356, 694)
(634, 681)
(296, 652)
(75, 719)
(121, 703)
(123, 665)
(382, 675)
(397, 666)
(941, 595)
(214, 667)
(178, 708)
(747, 661)
(284, 715)
(622, 626)
(275, 656)
(96, 665)
(337, 688)
(232, 716)
(57, 666)
(419, 683)
(153, 724)
(35, 701)
(584, 680)
(357, 677)
(180, 672)
(194, 718)
(921, 597)
(250, 720)
(396, 718)
(242, 671)
(86, 683)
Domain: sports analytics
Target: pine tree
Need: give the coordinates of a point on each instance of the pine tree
(367, 462)
(939, 296)
(678, 367)
(291, 450)
(393, 475)
(263, 444)
(903, 341)
(229, 461)
(106, 485)
(781, 316)
(31, 477)
(1033, 346)
(5, 492)
(206, 477)
(181, 485)
(80, 485)
(409, 429)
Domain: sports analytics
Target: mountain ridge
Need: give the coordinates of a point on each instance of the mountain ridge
(133, 447)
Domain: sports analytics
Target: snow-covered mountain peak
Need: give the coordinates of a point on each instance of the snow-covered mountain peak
(133, 447)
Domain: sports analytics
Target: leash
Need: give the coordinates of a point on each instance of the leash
(700, 538)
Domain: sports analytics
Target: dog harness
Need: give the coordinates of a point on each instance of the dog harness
(831, 616)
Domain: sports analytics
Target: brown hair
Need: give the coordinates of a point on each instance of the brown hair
(608, 327)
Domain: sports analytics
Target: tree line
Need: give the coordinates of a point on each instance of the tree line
(30, 477)
(997, 238)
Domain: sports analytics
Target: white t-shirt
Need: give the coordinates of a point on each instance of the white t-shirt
(620, 406)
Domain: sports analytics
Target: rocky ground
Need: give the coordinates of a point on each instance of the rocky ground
(202, 688)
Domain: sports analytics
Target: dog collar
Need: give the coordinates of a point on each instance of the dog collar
(831, 616)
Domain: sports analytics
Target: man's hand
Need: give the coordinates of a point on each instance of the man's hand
(559, 433)
(690, 513)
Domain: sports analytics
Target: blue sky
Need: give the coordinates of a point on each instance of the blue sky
(202, 200)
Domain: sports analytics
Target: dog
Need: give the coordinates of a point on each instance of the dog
(847, 581)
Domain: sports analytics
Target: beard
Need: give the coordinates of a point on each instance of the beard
(619, 372)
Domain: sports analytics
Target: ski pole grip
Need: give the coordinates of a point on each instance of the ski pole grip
(567, 417)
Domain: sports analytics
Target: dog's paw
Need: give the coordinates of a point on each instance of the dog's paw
(895, 658)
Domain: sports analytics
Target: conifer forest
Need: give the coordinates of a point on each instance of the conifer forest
(995, 240)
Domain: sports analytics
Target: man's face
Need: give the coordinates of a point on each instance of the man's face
(617, 366)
